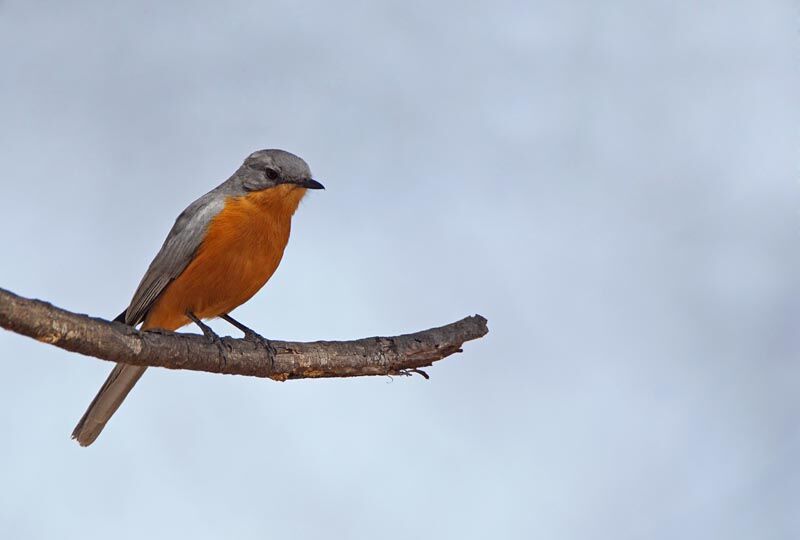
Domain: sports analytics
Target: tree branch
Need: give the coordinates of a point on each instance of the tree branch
(279, 360)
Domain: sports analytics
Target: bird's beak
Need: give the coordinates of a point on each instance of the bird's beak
(310, 183)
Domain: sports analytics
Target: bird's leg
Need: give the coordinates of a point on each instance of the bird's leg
(207, 331)
(253, 337)
(210, 335)
(249, 334)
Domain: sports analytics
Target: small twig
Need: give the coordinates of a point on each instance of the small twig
(410, 372)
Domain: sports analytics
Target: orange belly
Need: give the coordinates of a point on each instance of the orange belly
(242, 248)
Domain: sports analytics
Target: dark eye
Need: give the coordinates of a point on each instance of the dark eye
(272, 174)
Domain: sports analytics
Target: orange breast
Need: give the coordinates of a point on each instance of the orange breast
(242, 248)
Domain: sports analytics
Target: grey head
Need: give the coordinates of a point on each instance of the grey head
(269, 168)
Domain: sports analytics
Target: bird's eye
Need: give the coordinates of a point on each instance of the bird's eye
(272, 174)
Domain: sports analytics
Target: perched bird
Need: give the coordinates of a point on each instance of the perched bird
(222, 249)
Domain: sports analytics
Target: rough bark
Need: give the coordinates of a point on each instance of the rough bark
(278, 360)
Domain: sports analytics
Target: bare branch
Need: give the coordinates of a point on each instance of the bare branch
(281, 360)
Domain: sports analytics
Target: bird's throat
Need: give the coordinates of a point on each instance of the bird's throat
(281, 200)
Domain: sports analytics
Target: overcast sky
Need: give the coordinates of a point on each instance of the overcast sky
(612, 184)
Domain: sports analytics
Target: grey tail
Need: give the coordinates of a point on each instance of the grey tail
(111, 395)
(122, 378)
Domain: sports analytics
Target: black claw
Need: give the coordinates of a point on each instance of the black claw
(260, 340)
(256, 338)
(207, 331)
(211, 336)
(249, 333)
(253, 337)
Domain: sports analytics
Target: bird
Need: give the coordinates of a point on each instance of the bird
(221, 250)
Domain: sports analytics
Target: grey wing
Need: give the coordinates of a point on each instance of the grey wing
(178, 250)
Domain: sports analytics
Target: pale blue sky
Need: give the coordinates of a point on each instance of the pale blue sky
(614, 185)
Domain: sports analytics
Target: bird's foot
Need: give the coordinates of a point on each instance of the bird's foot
(210, 335)
(258, 339)
(249, 334)
(253, 337)
(261, 341)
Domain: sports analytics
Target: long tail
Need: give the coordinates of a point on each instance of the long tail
(111, 395)
(106, 402)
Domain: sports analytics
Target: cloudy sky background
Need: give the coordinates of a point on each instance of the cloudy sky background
(613, 185)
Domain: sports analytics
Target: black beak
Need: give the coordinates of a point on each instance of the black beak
(310, 183)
